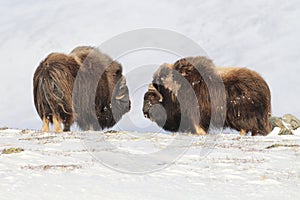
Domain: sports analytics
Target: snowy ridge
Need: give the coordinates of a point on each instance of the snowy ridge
(59, 166)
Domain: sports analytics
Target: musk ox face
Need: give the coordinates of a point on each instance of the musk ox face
(161, 101)
(173, 99)
(101, 96)
(153, 107)
(112, 96)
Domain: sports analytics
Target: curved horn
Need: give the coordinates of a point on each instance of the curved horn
(153, 89)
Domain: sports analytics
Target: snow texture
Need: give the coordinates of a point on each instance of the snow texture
(58, 166)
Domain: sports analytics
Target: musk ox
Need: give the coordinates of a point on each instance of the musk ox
(101, 96)
(237, 98)
(85, 86)
(52, 88)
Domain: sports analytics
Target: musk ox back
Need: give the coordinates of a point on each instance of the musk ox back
(101, 96)
(248, 100)
(242, 99)
(53, 85)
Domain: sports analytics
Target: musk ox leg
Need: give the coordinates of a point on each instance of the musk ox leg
(259, 132)
(263, 127)
(67, 123)
(266, 128)
(45, 127)
(243, 132)
(199, 130)
(67, 127)
(57, 125)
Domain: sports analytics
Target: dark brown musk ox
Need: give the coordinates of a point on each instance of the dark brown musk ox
(52, 88)
(243, 98)
(100, 93)
(85, 86)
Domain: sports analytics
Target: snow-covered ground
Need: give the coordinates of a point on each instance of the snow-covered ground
(60, 166)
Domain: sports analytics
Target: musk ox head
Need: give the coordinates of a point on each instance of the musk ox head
(179, 98)
(165, 101)
(53, 84)
(101, 95)
(153, 109)
(161, 101)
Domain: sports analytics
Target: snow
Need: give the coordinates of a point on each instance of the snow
(59, 166)
(275, 131)
(296, 132)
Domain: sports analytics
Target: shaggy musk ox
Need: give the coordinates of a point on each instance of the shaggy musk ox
(101, 96)
(85, 86)
(237, 98)
(52, 88)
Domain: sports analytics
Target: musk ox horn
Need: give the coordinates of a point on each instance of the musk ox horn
(153, 89)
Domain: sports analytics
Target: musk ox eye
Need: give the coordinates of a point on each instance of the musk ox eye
(161, 77)
(117, 72)
(152, 97)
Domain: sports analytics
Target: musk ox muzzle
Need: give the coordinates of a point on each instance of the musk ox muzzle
(101, 94)
(151, 99)
(120, 101)
(122, 94)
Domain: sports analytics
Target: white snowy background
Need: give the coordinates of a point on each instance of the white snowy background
(261, 35)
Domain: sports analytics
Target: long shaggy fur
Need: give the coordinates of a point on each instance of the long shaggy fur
(245, 98)
(248, 101)
(53, 85)
(86, 85)
(101, 96)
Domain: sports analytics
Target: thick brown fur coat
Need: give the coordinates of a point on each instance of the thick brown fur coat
(101, 96)
(85, 86)
(52, 87)
(243, 94)
(248, 100)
